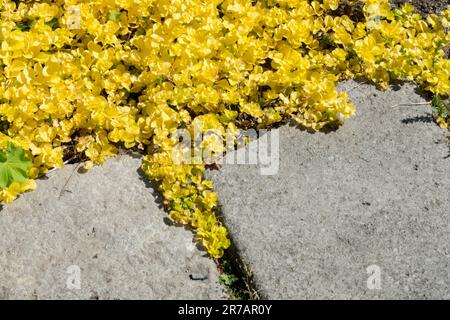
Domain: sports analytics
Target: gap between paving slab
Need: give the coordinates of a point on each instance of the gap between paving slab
(108, 223)
(361, 212)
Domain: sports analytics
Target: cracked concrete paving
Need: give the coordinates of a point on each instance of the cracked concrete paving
(361, 212)
(108, 224)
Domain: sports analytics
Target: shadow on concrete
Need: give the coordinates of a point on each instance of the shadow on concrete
(428, 118)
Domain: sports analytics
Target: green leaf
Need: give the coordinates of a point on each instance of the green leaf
(23, 26)
(228, 116)
(160, 80)
(54, 23)
(228, 279)
(439, 107)
(14, 165)
(114, 15)
(326, 42)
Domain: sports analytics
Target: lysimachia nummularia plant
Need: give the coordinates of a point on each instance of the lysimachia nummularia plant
(88, 77)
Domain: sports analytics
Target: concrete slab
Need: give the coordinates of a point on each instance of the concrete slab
(106, 227)
(362, 212)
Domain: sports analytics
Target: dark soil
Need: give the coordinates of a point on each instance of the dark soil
(424, 7)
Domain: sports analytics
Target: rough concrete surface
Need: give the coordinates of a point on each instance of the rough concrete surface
(108, 223)
(361, 212)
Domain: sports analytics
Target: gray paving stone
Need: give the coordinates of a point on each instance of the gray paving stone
(107, 223)
(371, 196)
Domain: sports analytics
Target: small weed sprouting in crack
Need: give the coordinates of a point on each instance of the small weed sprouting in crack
(236, 276)
(441, 110)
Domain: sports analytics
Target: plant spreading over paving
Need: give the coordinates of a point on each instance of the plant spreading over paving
(89, 76)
